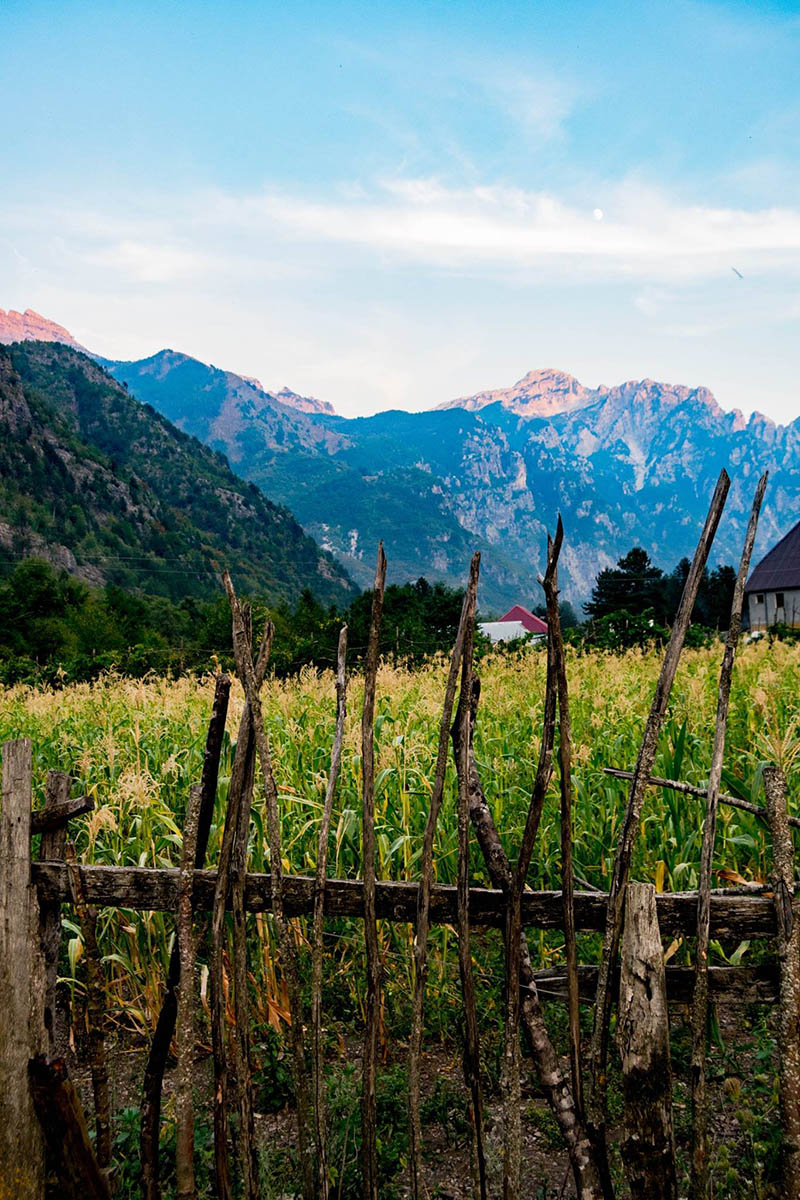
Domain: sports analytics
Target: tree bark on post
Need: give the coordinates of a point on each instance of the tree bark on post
(648, 1149)
(548, 1068)
(165, 1025)
(510, 1078)
(472, 1050)
(95, 1011)
(317, 952)
(700, 1004)
(184, 1107)
(596, 1092)
(424, 895)
(22, 984)
(369, 1129)
(789, 958)
(53, 846)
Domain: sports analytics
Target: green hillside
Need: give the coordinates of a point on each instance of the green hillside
(96, 482)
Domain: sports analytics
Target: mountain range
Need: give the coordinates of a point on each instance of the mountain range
(630, 464)
(102, 485)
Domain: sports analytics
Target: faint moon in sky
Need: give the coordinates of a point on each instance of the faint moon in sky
(597, 213)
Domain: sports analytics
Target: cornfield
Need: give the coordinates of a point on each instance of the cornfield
(138, 746)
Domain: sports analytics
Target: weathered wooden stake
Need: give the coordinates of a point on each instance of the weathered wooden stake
(53, 846)
(95, 1010)
(424, 894)
(246, 671)
(700, 1179)
(789, 958)
(240, 792)
(165, 1025)
(648, 1150)
(369, 1128)
(22, 984)
(317, 953)
(472, 1049)
(551, 1078)
(698, 793)
(184, 1106)
(596, 1092)
(510, 1080)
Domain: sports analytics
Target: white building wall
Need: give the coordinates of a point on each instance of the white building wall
(767, 613)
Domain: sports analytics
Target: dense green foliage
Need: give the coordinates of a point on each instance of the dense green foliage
(55, 628)
(89, 474)
(636, 587)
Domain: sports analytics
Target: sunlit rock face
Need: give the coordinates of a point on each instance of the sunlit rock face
(30, 326)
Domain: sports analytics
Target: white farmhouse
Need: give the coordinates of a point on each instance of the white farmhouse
(773, 589)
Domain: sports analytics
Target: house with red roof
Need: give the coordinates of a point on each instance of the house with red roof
(518, 622)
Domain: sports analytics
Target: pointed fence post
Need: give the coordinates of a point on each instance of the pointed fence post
(648, 1149)
(22, 984)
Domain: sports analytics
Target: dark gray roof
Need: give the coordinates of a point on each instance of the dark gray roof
(780, 568)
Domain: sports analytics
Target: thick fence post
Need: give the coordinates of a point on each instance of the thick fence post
(648, 1150)
(22, 984)
(789, 958)
(53, 846)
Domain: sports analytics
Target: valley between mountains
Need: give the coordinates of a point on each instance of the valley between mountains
(629, 464)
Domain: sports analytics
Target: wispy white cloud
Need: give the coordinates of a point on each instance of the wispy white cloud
(642, 231)
(643, 234)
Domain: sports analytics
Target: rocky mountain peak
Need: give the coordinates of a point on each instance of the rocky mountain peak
(307, 404)
(540, 393)
(30, 326)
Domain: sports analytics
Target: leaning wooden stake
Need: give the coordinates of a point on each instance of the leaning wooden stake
(241, 1001)
(550, 584)
(22, 984)
(596, 1096)
(165, 1025)
(184, 1107)
(698, 793)
(244, 666)
(512, 1110)
(317, 953)
(472, 1050)
(369, 1147)
(548, 1069)
(789, 958)
(240, 791)
(648, 1149)
(95, 1011)
(700, 1179)
(426, 881)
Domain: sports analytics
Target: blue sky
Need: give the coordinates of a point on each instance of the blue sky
(389, 205)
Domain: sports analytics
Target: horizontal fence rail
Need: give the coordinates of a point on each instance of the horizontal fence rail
(156, 890)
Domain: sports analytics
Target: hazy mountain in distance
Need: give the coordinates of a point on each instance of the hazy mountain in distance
(630, 464)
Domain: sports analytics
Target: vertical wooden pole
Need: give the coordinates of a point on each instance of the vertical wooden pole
(22, 984)
(424, 895)
(648, 1150)
(369, 1125)
(789, 959)
(53, 846)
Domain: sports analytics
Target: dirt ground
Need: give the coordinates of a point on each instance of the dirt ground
(446, 1167)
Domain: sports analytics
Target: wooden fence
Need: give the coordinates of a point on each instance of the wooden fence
(42, 1128)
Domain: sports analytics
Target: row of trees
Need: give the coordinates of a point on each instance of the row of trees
(53, 626)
